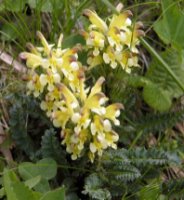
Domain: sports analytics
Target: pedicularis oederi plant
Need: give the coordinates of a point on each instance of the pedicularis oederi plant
(58, 78)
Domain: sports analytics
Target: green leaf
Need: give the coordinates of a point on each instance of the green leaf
(136, 81)
(18, 128)
(8, 178)
(9, 31)
(46, 168)
(159, 76)
(14, 5)
(95, 189)
(150, 191)
(2, 192)
(58, 194)
(2, 165)
(22, 192)
(158, 122)
(46, 5)
(43, 186)
(73, 40)
(51, 147)
(156, 97)
(16, 190)
(170, 27)
(33, 182)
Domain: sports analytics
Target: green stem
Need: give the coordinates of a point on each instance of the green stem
(139, 134)
(109, 5)
(162, 62)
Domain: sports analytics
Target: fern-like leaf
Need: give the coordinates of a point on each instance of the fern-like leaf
(51, 147)
(140, 157)
(174, 189)
(159, 122)
(95, 189)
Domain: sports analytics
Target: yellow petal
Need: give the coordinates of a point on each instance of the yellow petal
(123, 58)
(59, 45)
(33, 60)
(119, 20)
(47, 47)
(94, 60)
(68, 95)
(96, 20)
(98, 38)
(43, 79)
(97, 88)
(32, 49)
(112, 111)
(91, 156)
(94, 101)
(60, 118)
(98, 123)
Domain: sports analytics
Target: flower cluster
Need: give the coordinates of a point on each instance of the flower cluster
(113, 43)
(86, 120)
(48, 66)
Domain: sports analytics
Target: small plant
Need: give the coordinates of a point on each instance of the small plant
(59, 77)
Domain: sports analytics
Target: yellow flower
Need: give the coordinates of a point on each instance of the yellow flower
(82, 113)
(50, 79)
(32, 60)
(110, 42)
(93, 61)
(61, 117)
(55, 63)
(48, 106)
(75, 143)
(103, 135)
(34, 86)
(109, 57)
(117, 33)
(69, 98)
(91, 120)
(95, 40)
(97, 22)
(112, 112)
(127, 60)
(53, 95)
